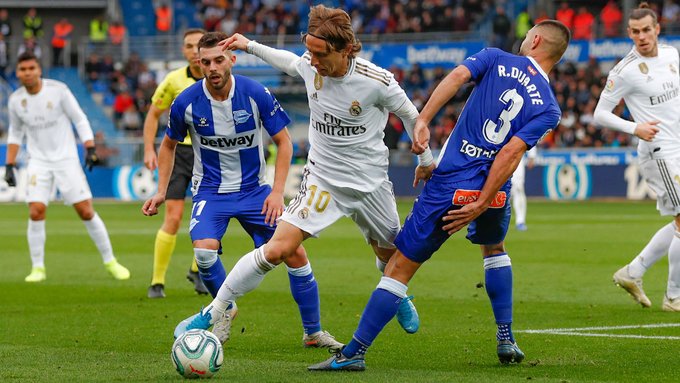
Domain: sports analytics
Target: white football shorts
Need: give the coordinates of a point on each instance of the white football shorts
(69, 179)
(663, 177)
(318, 205)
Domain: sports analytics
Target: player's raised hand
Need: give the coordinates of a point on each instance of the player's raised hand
(423, 173)
(272, 207)
(646, 130)
(236, 42)
(152, 204)
(458, 219)
(421, 137)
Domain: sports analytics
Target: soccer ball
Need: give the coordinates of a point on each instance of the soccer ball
(197, 354)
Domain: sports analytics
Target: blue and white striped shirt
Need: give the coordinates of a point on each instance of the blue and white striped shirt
(227, 135)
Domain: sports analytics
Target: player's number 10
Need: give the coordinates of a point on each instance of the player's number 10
(321, 202)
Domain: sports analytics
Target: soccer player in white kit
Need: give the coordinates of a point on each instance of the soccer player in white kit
(346, 173)
(518, 193)
(647, 80)
(42, 110)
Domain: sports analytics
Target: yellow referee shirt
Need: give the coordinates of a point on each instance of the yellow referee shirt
(172, 85)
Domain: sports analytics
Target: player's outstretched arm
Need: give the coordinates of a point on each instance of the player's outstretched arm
(446, 89)
(166, 161)
(280, 59)
(273, 205)
(503, 166)
(236, 42)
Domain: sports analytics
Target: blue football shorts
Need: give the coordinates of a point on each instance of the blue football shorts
(210, 215)
(422, 233)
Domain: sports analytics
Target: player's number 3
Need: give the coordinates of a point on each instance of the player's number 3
(513, 104)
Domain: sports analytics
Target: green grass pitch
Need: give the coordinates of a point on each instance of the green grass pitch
(82, 326)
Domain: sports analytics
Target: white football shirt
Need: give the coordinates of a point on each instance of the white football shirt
(45, 120)
(347, 121)
(650, 87)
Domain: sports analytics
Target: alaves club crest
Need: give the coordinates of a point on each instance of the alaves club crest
(355, 109)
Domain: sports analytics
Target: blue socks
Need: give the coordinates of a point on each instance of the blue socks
(305, 291)
(213, 277)
(498, 276)
(381, 308)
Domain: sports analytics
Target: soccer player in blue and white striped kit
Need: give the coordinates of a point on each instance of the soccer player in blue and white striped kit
(511, 108)
(225, 115)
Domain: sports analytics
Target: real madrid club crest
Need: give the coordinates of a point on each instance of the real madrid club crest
(304, 213)
(643, 68)
(673, 69)
(24, 103)
(49, 105)
(355, 109)
(318, 81)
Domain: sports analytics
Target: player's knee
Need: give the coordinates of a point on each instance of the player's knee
(277, 251)
(297, 259)
(37, 214)
(205, 257)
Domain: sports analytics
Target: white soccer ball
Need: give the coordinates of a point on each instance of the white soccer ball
(197, 354)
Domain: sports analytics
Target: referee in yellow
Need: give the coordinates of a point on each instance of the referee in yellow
(172, 85)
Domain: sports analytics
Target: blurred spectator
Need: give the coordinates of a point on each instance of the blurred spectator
(116, 32)
(5, 25)
(99, 29)
(670, 17)
(501, 27)
(301, 152)
(584, 21)
(133, 67)
(565, 15)
(523, 23)
(62, 34)
(4, 57)
(460, 22)
(163, 18)
(611, 17)
(393, 132)
(33, 24)
(104, 152)
(30, 45)
(121, 104)
(93, 67)
(542, 15)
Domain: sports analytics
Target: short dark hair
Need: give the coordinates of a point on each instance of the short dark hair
(211, 39)
(27, 56)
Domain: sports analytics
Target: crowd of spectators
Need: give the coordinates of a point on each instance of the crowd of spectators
(271, 17)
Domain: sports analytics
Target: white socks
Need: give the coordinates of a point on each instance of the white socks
(519, 204)
(393, 286)
(657, 247)
(100, 237)
(673, 287)
(245, 276)
(36, 242)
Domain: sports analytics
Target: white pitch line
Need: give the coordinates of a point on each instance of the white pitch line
(577, 331)
(602, 328)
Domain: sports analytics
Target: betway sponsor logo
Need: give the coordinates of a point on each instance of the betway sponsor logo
(435, 55)
(245, 141)
(609, 49)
